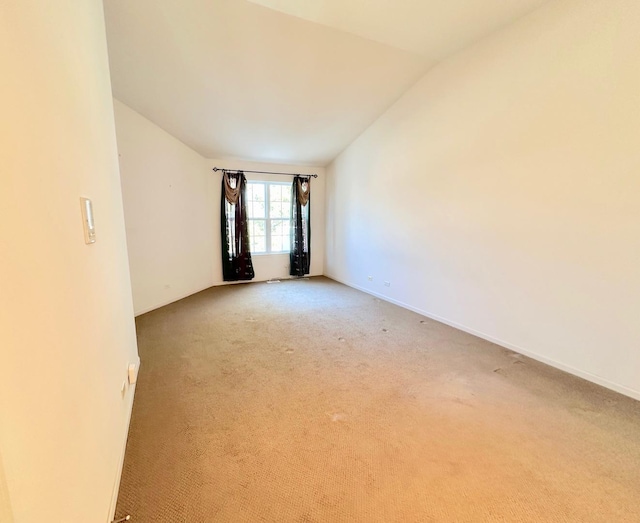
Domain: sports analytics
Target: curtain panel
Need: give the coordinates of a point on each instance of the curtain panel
(300, 255)
(236, 255)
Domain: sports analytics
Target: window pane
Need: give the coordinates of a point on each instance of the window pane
(257, 236)
(256, 200)
(258, 244)
(256, 191)
(280, 235)
(277, 244)
(286, 210)
(275, 210)
(257, 209)
(257, 227)
(275, 193)
(280, 244)
(277, 227)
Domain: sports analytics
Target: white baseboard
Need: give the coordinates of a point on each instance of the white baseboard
(525, 352)
(196, 291)
(116, 485)
(171, 300)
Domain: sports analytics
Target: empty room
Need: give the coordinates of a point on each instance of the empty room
(320, 261)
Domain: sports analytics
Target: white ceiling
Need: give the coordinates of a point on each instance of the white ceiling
(286, 81)
(431, 28)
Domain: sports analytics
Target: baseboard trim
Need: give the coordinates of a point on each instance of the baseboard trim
(213, 284)
(171, 300)
(521, 350)
(118, 479)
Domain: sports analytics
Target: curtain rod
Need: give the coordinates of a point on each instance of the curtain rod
(216, 169)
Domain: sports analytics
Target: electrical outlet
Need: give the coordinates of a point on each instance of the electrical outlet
(132, 373)
(387, 284)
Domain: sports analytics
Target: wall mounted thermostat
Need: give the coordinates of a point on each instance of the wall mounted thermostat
(87, 221)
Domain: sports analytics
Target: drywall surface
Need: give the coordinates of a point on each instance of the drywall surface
(269, 266)
(66, 316)
(500, 194)
(6, 515)
(172, 212)
(166, 191)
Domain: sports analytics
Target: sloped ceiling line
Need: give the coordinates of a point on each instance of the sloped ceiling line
(281, 81)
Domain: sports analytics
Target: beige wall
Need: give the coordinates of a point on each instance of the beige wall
(172, 214)
(66, 317)
(6, 514)
(166, 192)
(501, 193)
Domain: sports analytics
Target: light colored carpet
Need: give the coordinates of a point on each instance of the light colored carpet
(308, 401)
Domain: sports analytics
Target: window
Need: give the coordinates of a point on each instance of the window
(269, 213)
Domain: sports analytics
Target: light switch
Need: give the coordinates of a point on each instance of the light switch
(87, 221)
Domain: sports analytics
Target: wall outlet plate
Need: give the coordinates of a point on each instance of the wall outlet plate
(132, 373)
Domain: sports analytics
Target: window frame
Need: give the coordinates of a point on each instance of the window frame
(268, 219)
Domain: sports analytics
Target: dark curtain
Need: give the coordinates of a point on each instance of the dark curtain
(236, 255)
(300, 255)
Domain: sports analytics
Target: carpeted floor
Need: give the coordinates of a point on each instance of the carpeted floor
(308, 401)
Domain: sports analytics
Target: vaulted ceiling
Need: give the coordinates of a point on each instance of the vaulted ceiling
(285, 81)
